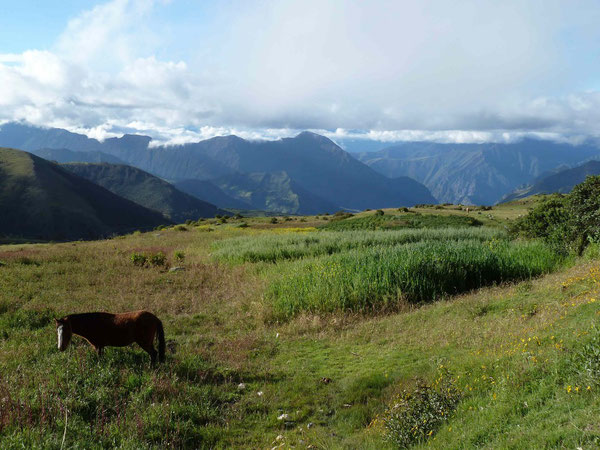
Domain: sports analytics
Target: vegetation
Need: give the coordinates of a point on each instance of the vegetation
(277, 248)
(523, 353)
(379, 220)
(387, 277)
(569, 221)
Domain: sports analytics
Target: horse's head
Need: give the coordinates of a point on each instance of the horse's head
(64, 332)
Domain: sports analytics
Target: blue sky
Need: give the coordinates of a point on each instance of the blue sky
(382, 70)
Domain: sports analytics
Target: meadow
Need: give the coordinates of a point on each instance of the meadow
(494, 344)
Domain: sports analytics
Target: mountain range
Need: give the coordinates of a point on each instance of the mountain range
(561, 182)
(42, 200)
(319, 171)
(480, 174)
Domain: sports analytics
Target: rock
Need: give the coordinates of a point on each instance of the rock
(283, 417)
(241, 387)
(310, 425)
(259, 393)
(177, 269)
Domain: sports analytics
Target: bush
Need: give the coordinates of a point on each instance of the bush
(274, 220)
(548, 220)
(180, 228)
(138, 259)
(158, 259)
(416, 414)
(179, 256)
(379, 212)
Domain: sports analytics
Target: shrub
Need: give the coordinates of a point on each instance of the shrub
(548, 220)
(416, 414)
(223, 219)
(189, 222)
(274, 220)
(138, 259)
(404, 209)
(179, 256)
(180, 228)
(158, 259)
(379, 212)
(584, 206)
(239, 216)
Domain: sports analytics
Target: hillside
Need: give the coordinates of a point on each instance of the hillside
(317, 164)
(41, 200)
(63, 155)
(145, 189)
(475, 173)
(206, 190)
(274, 192)
(561, 182)
(507, 365)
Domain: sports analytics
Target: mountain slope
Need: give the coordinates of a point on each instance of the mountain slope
(275, 192)
(63, 155)
(207, 191)
(314, 162)
(475, 173)
(144, 189)
(561, 182)
(41, 200)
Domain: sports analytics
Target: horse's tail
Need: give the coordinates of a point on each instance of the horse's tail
(161, 341)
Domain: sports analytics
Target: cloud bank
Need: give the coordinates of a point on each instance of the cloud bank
(472, 71)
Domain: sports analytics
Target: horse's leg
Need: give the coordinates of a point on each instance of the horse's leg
(148, 347)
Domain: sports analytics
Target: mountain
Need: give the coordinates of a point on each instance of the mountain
(314, 162)
(63, 155)
(144, 189)
(206, 190)
(475, 173)
(41, 200)
(274, 192)
(561, 182)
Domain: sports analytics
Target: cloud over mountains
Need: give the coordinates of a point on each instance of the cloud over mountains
(430, 70)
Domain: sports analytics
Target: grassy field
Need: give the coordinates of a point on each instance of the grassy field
(521, 359)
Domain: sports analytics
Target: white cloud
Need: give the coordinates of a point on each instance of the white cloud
(473, 71)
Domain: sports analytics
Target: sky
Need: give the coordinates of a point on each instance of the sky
(374, 71)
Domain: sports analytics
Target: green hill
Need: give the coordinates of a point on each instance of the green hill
(145, 189)
(41, 200)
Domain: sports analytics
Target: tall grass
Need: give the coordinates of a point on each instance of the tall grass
(382, 277)
(271, 248)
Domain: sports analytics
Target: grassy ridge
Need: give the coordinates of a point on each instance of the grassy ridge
(380, 277)
(400, 221)
(273, 248)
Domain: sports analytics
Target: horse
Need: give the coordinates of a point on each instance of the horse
(103, 329)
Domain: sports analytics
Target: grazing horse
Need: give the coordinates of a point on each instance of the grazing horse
(102, 329)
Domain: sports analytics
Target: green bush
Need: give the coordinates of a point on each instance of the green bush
(180, 228)
(379, 212)
(274, 220)
(416, 414)
(138, 259)
(157, 259)
(179, 256)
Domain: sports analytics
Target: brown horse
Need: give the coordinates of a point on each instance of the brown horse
(102, 329)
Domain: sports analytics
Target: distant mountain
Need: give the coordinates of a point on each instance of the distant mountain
(561, 182)
(274, 192)
(144, 189)
(475, 173)
(63, 155)
(314, 162)
(41, 200)
(206, 190)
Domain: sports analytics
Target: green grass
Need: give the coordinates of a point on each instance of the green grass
(386, 277)
(276, 248)
(399, 221)
(512, 350)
